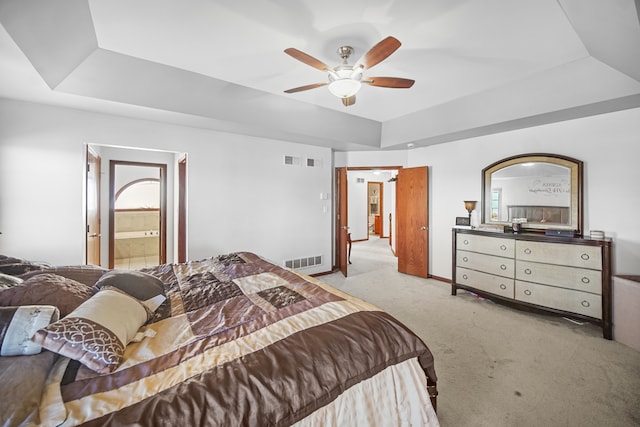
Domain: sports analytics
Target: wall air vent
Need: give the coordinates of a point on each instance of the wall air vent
(303, 262)
(360, 180)
(314, 163)
(292, 161)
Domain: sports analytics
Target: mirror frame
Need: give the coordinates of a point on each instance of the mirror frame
(576, 171)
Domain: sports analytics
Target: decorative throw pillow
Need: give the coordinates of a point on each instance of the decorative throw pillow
(18, 324)
(47, 289)
(142, 286)
(97, 332)
(7, 281)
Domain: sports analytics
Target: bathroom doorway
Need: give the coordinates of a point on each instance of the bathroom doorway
(374, 200)
(137, 214)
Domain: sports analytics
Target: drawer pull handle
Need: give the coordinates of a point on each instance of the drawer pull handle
(527, 251)
(585, 257)
(465, 277)
(503, 247)
(585, 280)
(503, 286)
(527, 271)
(527, 292)
(585, 304)
(466, 242)
(465, 259)
(503, 267)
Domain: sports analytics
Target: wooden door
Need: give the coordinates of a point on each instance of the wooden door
(93, 208)
(342, 229)
(412, 225)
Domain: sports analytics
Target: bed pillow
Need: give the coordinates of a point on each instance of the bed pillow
(16, 266)
(8, 281)
(97, 332)
(142, 286)
(85, 274)
(18, 324)
(47, 289)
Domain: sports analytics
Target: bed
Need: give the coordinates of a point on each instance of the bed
(229, 340)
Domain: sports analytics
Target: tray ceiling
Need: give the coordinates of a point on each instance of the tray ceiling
(480, 66)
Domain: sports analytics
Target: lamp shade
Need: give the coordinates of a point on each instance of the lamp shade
(470, 205)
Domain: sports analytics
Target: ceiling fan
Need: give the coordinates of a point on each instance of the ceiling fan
(345, 80)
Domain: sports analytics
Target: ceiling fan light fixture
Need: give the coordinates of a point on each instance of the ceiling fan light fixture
(342, 82)
(345, 87)
(345, 80)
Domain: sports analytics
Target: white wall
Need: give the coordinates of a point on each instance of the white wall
(241, 196)
(609, 146)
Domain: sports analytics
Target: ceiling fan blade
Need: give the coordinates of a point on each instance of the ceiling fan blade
(349, 101)
(307, 87)
(378, 53)
(307, 59)
(393, 82)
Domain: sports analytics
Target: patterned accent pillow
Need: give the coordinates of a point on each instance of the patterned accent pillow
(47, 289)
(97, 332)
(18, 324)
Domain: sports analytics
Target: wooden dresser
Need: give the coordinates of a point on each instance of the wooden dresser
(563, 275)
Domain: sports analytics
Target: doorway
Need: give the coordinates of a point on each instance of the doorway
(98, 200)
(375, 199)
(406, 212)
(137, 214)
(354, 208)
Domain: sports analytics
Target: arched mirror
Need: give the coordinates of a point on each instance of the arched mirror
(537, 191)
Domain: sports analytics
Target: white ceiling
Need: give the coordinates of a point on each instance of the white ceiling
(480, 66)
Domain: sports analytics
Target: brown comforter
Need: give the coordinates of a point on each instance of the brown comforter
(240, 341)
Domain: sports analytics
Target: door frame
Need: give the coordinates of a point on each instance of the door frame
(96, 234)
(182, 208)
(339, 249)
(341, 220)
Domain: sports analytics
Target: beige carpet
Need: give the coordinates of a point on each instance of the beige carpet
(498, 366)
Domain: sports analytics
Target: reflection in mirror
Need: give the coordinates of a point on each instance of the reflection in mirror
(537, 191)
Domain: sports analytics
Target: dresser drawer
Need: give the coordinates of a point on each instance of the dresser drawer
(497, 285)
(488, 245)
(486, 263)
(581, 279)
(560, 253)
(559, 298)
